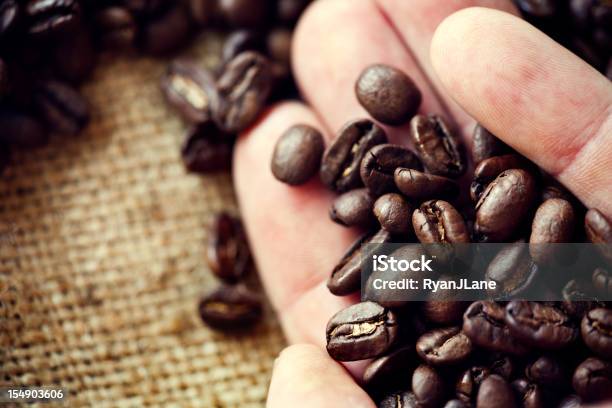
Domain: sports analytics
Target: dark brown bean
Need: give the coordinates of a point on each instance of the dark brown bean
(361, 331)
(245, 13)
(527, 394)
(486, 145)
(393, 213)
(546, 371)
(240, 41)
(353, 208)
(495, 392)
(553, 223)
(379, 163)
(51, 18)
(115, 28)
(599, 231)
(512, 270)
(427, 386)
(206, 149)
(467, 385)
(403, 399)
(203, 11)
(228, 251)
(444, 346)
(437, 221)
(596, 330)
(64, 109)
(418, 185)
(490, 168)
(385, 369)
(602, 282)
(340, 164)
(297, 155)
(167, 32)
(230, 308)
(592, 380)
(445, 311)
(21, 129)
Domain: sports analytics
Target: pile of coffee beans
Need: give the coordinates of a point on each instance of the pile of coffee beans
(445, 352)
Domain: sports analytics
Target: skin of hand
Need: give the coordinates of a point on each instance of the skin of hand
(473, 60)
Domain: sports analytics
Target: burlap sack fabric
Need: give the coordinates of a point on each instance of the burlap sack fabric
(102, 260)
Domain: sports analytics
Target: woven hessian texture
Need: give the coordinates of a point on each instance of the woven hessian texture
(102, 260)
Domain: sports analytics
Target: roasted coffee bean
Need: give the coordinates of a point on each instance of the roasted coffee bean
(540, 325)
(189, 88)
(592, 380)
(553, 223)
(21, 129)
(74, 58)
(486, 145)
(602, 282)
(576, 301)
(427, 386)
(346, 276)
(51, 17)
(384, 371)
(230, 308)
(353, 208)
(206, 149)
(402, 399)
(228, 251)
(245, 13)
(388, 94)
(484, 324)
(455, 403)
(495, 392)
(243, 88)
(596, 330)
(571, 401)
(240, 41)
(64, 109)
(279, 45)
(467, 385)
(340, 164)
(202, 11)
(556, 190)
(538, 8)
(512, 192)
(361, 331)
(445, 311)
(393, 213)
(444, 346)
(418, 185)
(599, 231)
(115, 28)
(546, 371)
(527, 394)
(297, 155)
(166, 33)
(502, 365)
(512, 270)
(379, 163)
(490, 168)
(437, 221)
(288, 11)
(10, 14)
(439, 150)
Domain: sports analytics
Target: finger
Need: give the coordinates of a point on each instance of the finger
(334, 42)
(293, 241)
(305, 376)
(416, 21)
(532, 93)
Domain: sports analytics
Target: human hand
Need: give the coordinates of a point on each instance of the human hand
(478, 65)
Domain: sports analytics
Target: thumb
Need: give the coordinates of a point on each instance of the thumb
(305, 376)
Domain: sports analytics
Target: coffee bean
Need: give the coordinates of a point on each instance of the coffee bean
(540, 325)
(379, 163)
(51, 17)
(502, 365)
(602, 282)
(444, 312)
(297, 155)
(361, 331)
(455, 403)
(10, 14)
(553, 223)
(512, 270)
(346, 276)
(427, 386)
(556, 191)
(388, 94)
(74, 58)
(288, 11)
(403, 399)
(115, 28)
(240, 41)
(571, 401)
(592, 380)
(512, 192)
(439, 150)
(167, 32)
(467, 385)
(340, 163)
(202, 11)
(596, 330)
(527, 394)
(546, 371)
(21, 129)
(63, 107)
(393, 213)
(495, 392)
(420, 186)
(353, 208)
(437, 221)
(245, 13)
(206, 149)
(189, 88)
(578, 299)
(279, 45)
(490, 168)
(444, 346)
(147, 8)
(228, 251)
(599, 231)
(484, 324)
(485, 145)
(538, 8)
(230, 308)
(243, 89)
(383, 371)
